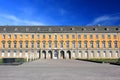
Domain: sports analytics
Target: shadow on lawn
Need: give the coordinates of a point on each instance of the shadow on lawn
(110, 61)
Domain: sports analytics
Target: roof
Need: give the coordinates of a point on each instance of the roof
(59, 29)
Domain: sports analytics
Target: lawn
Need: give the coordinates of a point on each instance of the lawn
(111, 61)
(1, 61)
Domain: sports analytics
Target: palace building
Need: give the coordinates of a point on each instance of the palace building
(59, 42)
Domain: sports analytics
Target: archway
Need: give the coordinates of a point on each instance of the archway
(44, 54)
(50, 53)
(62, 54)
(55, 54)
(69, 54)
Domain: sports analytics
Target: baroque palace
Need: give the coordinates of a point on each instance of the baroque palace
(59, 42)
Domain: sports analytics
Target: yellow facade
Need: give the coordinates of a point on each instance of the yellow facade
(61, 37)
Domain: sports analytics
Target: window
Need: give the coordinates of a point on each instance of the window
(3, 44)
(3, 54)
(116, 44)
(21, 53)
(67, 44)
(32, 36)
(61, 44)
(98, 53)
(117, 29)
(109, 44)
(26, 44)
(85, 36)
(20, 44)
(15, 29)
(85, 44)
(26, 51)
(104, 53)
(21, 36)
(9, 44)
(98, 44)
(109, 36)
(50, 44)
(44, 44)
(50, 37)
(106, 29)
(15, 44)
(38, 36)
(103, 44)
(8, 53)
(3, 36)
(55, 36)
(15, 54)
(55, 44)
(15, 36)
(61, 36)
(79, 44)
(73, 36)
(92, 54)
(91, 36)
(32, 44)
(9, 36)
(115, 36)
(26, 36)
(38, 44)
(97, 36)
(94, 29)
(91, 44)
(103, 36)
(110, 53)
(79, 36)
(116, 54)
(73, 44)
(67, 36)
(43, 36)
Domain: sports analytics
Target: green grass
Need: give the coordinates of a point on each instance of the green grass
(17, 60)
(105, 60)
(112, 61)
(20, 60)
(1, 61)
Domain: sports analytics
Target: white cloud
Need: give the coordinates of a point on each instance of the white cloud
(105, 20)
(14, 20)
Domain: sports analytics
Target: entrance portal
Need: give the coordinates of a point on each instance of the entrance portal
(69, 54)
(44, 54)
(50, 54)
(62, 54)
(55, 54)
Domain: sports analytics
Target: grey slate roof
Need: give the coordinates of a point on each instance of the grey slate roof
(59, 29)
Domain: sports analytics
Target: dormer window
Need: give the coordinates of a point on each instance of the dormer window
(61, 29)
(38, 29)
(50, 29)
(117, 29)
(27, 29)
(83, 29)
(15, 29)
(106, 29)
(94, 29)
(71, 28)
(4, 29)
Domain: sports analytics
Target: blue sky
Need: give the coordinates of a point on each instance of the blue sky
(60, 12)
